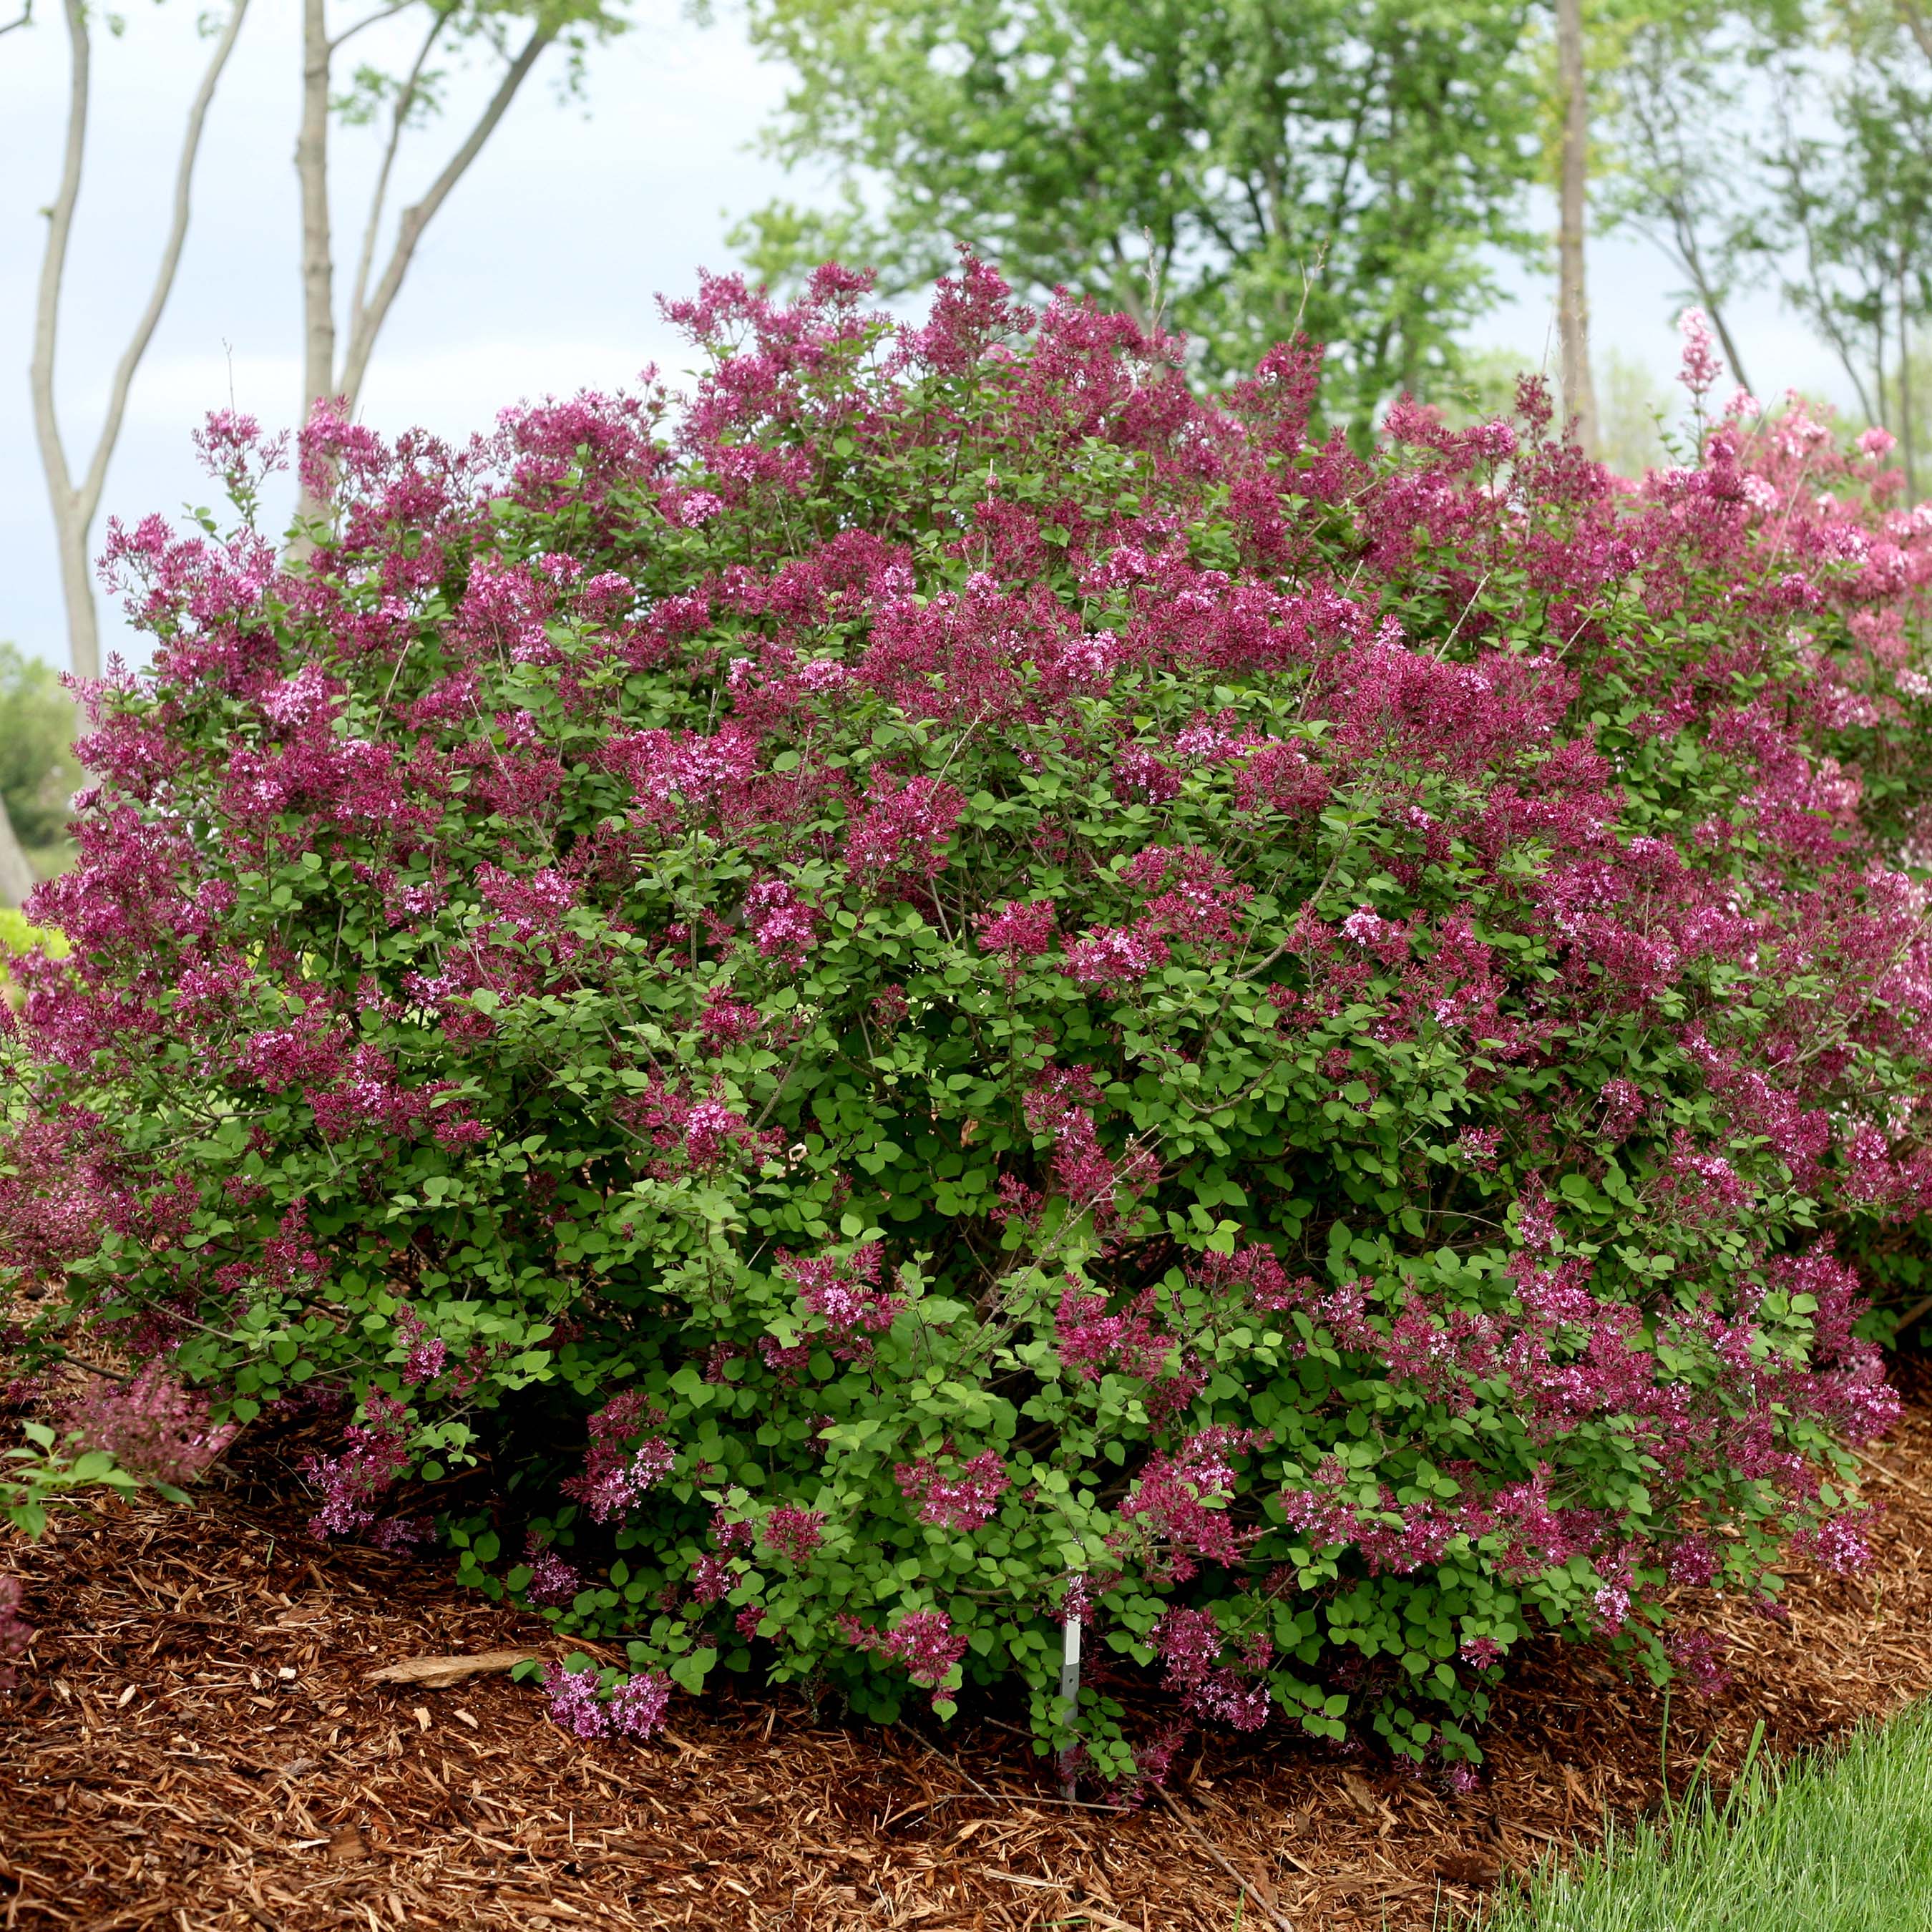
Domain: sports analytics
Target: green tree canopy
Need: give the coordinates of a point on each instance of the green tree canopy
(38, 771)
(1241, 164)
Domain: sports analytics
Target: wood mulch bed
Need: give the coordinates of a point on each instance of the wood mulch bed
(195, 1744)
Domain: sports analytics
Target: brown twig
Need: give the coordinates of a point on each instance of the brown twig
(1213, 1851)
(1892, 1475)
(1016, 1797)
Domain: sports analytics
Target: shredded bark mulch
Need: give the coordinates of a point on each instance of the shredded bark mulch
(195, 1744)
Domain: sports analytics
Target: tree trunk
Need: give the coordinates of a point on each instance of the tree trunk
(318, 271)
(74, 504)
(83, 623)
(1905, 435)
(70, 526)
(16, 876)
(368, 320)
(1573, 310)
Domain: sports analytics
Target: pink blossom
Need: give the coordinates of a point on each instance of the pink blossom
(1024, 930)
(377, 1454)
(153, 1426)
(843, 1292)
(793, 1533)
(962, 1500)
(1191, 1644)
(1114, 957)
(783, 927)
(635, 1708)
(923, 1641)
(695, 507)
(552, 1579)
(617, 1473)
(1701, 366)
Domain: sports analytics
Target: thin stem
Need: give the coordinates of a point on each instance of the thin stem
(415, 219)
(164, 275)
(376, 19)
(405, 101)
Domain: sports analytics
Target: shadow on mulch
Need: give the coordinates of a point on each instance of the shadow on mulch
(194, 1745)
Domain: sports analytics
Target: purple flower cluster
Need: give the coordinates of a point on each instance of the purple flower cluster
(153, 1427)
(634, 1708)
(619, 1471)
(375, 1455)
(793, 1533)
(553, 1578)
(16, 1634)
(844, 1293)
(923, 1642)
(1191, 1644)
(963, 1500)
(1181, 1501)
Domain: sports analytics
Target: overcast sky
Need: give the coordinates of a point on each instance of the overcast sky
(539, 276)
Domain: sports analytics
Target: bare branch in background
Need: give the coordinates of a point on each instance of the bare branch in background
(75, 505)
(1674, 191)
(368, 321)
(336, 353)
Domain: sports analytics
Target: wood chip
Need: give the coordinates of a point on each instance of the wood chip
(441, 1673)
(268, 1778)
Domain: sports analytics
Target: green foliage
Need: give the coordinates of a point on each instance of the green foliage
(47, 1468)
(39, 773)
(1245, 168)
(490, 30)
(1852, 197)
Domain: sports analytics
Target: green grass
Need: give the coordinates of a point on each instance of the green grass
(1840, 1843)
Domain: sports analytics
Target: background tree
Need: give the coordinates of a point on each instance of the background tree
(510, 36)
(39, 773)
(1851, 223)
(75, 499)
(1573, 305)
(1344, 166)
(74, 488)
(1680, 173)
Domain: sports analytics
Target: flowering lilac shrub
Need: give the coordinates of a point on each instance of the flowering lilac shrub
(948, 986)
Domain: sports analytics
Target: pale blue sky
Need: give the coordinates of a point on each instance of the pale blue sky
(539, 276)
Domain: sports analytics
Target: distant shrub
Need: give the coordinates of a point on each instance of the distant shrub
(18, 935)
(949, 986)
(39, 773)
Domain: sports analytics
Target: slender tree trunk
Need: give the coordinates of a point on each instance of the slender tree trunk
(1905, 435)
(318, 267)
(367, 322)
(322, 379)
(1573, 311)
(82, 642)
(71, 545)
(75, 504)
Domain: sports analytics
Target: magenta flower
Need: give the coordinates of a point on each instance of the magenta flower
(793, 1533)
(153, 1426)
